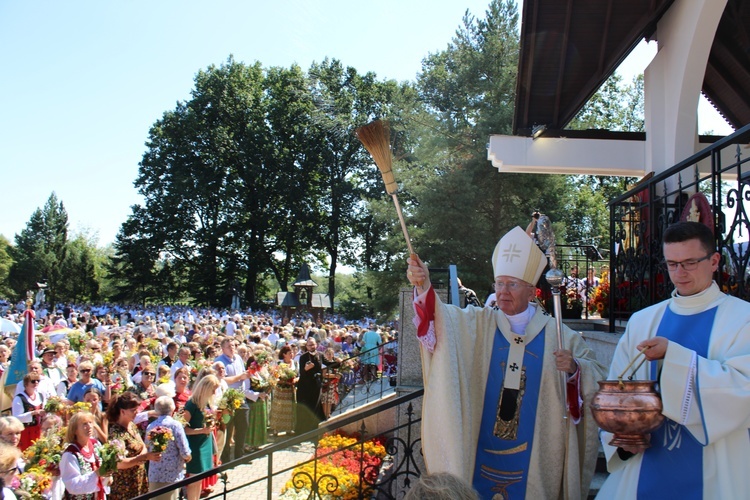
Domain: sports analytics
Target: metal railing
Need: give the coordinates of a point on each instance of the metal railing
(581, 257)
(639, 217)
(400, 467)
(362, 383)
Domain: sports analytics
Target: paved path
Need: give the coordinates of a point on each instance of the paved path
(289, 458)
(282, 460)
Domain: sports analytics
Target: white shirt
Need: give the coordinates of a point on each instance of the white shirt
(231, 328)
(175, 366)
(46, 388)
(17, 407)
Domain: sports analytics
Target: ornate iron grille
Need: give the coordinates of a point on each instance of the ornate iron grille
(639, 217)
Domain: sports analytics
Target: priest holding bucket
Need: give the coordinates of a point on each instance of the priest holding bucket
(698, 347)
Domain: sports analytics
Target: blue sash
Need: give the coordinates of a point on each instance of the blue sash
(673, 466)
(506, 470)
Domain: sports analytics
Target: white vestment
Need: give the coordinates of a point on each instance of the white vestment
(563, 454)
(709, 396)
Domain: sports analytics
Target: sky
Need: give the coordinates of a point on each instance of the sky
(81, 82)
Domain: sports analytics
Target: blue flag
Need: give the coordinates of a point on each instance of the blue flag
(23, 352)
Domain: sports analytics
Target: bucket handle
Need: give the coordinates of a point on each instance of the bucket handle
(641, 352)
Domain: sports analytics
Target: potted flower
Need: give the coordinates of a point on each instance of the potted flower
(599, 301)
(572, 303)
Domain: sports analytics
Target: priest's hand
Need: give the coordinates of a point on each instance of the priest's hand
(565, 362)
(417, 273)
(656, 348)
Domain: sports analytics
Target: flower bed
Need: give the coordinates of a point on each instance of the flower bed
(342, 462)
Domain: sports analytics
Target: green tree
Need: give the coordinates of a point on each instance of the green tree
(5, 264)
(460, 205)
(79, 268)
(188, 175)
(618, 107)
(40, 250)
(615, 106)
(278, 194)
(132, 269)
(344, 101)
(102, 258)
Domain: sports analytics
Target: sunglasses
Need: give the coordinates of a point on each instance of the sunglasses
(34, 381)
(149, 374)
(86, 370)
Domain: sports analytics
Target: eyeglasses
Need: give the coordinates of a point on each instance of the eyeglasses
(510, 285)
(687, 265)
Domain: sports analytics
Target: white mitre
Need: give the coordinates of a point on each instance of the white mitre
(517, 255)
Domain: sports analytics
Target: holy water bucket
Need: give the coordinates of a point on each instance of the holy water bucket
(630, 409)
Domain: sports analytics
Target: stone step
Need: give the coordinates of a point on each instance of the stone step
(596, 483)
(600, 474)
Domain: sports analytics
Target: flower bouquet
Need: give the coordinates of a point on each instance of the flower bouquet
(108, 360)
(159, 438)
(77, 408)
(117, 388)
(261, 378)
(210, 418)
(111, 453)
(36, 482)
(286, 375)
(261, 357)
(154, 347)
(45, 453)
(54, 405)
(231, 400)
(179, 415)
(259, 383)
(77, 340)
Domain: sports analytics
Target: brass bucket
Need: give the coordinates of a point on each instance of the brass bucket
(629, 409)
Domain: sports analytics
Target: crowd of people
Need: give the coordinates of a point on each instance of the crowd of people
(216, 384)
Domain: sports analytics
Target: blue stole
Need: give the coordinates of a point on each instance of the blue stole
(501, 465)
(673, 466)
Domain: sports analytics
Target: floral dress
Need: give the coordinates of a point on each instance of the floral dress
(128, 483)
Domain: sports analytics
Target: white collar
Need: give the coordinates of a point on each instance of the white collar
(519, 322)
(691, 304)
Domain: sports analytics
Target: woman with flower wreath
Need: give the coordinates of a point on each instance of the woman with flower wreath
(130, 479)
(80, 461)
(28, 407)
